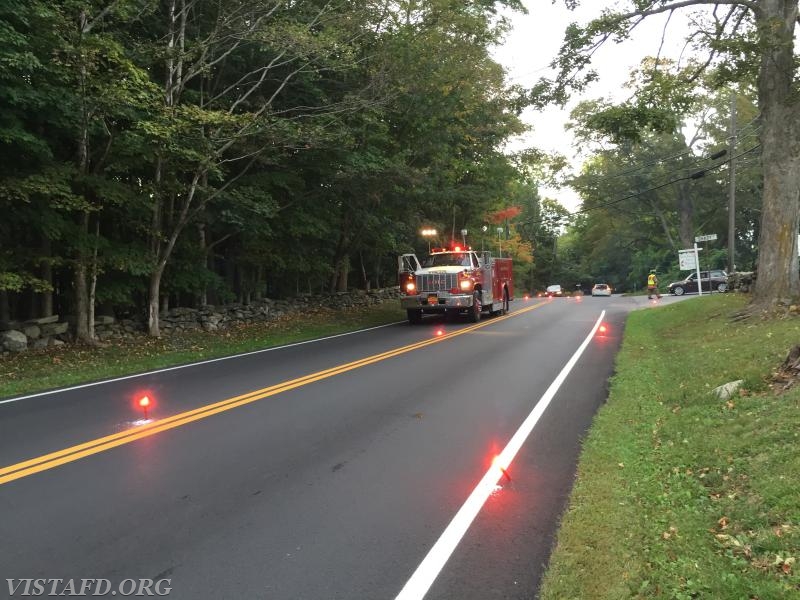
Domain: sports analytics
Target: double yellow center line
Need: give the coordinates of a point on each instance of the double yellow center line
(73, 453)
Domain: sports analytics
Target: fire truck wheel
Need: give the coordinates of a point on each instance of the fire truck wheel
(414, 316)
(477, 307)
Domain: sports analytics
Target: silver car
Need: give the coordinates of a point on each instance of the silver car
(601, 289)
(554, 291)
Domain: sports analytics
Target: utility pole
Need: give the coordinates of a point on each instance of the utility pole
(732, 186)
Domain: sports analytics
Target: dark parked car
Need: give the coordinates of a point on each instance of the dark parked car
(717, 282)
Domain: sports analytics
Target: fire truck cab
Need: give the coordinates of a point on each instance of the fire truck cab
(455, 281)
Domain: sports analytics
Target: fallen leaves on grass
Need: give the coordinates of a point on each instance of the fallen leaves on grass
(788, 373)
(785, 564)
(670, 533)
(781, 564)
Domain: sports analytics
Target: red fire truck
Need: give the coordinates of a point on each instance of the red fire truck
(454, 281)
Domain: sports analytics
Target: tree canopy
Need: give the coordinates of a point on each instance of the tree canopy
(735, 42)
(192, 152)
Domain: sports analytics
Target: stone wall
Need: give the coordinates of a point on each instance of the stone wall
(741, 281)
(36, 333)
(53, 331)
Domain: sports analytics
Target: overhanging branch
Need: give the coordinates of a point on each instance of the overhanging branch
(754, 6)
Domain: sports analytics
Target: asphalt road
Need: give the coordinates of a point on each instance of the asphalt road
(324, 470)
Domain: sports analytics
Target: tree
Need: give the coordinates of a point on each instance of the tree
(745, 40)
(240, 83)
(70, 90)
(645, 196)
(195, 151)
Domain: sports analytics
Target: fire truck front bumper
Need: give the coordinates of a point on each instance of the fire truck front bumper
(437, 303)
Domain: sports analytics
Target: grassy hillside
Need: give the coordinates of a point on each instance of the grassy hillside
(680, 494)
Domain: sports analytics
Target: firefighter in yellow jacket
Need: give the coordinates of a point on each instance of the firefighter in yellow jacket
(652, 285)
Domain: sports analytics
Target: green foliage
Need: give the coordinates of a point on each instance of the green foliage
(740, 45)
(15, 282)
(640, 202)
(255, 151)
(622, 123)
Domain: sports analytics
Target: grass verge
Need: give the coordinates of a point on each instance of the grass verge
(679, 494)
(30, 372)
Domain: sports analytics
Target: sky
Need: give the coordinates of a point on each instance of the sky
(534, 42)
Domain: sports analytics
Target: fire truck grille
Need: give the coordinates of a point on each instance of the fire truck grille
(435, 282)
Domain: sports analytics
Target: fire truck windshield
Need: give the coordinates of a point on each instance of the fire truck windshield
(448, 259)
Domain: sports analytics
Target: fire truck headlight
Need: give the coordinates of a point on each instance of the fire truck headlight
(466, 285)
(411, 287)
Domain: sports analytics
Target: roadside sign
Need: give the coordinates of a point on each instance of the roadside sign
(706, 238)
(686, 260)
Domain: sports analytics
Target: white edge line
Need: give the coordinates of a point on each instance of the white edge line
(192, 364)
(430, 567)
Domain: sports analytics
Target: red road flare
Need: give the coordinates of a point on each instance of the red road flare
(73, 453)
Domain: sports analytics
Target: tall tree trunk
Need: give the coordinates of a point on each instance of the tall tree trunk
(685, 216)
(162, 252)
(79, 282)
(154, 296)
(335, 274)
(244, 284)
(5, 307)
(172, 83)
(201, 236)
(259, 291)
(364, 278)
(46, 273)
(81, 293)
(340, 262)
(93, 282)
(81, 303)
(344, 272)
(778, 281)
(664, 225)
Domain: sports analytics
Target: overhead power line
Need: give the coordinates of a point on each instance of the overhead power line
(753, 124)
(665, 184)
(648, 164)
